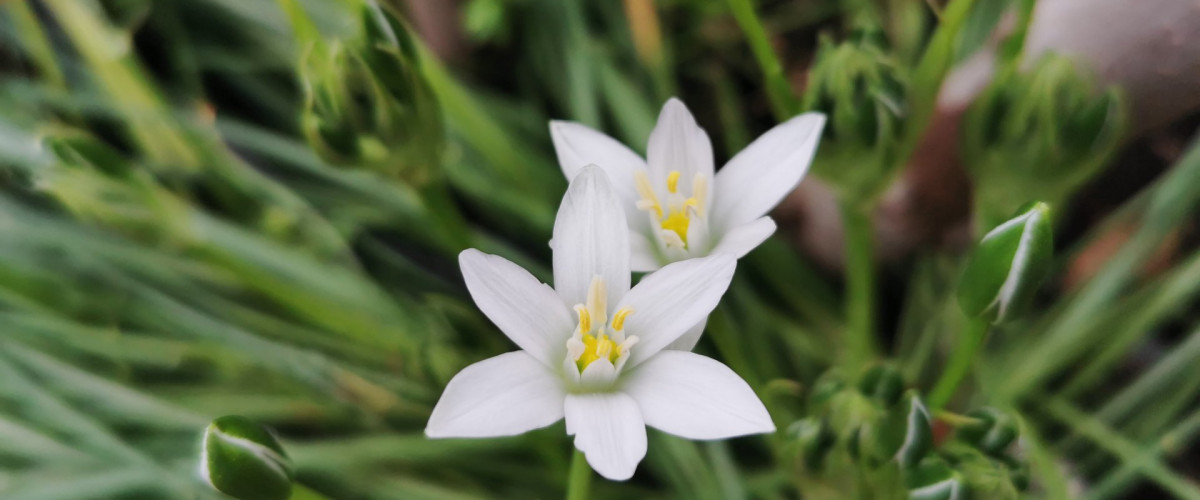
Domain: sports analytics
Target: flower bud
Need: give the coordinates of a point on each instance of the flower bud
(903, 435)
(368, 105)
(933, 479)
(1007, 266)
(244, 460)
(882, 383)
(991, 432)
(1038, 134)
(857, 85)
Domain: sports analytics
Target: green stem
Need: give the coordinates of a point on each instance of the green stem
(860, 284)
(579, 477)
(783, 101)
(960, 364)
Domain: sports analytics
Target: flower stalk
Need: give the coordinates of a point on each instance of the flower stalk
(579, 477)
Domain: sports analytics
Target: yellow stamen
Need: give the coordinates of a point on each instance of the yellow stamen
(677, 221)
(596, 348)
(585, 319)
(646, 190)
(597, 301)
(618, 321)
(699, 192)
(673, 181)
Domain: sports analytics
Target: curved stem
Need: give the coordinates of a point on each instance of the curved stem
(783, 101)
(579, 477)
(959, 365)
(860, 284)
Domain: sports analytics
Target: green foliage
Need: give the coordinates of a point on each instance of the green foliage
(1006, 268)
(217, 207)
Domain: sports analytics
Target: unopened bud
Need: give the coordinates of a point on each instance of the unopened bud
(1008, 265)
(242, 459)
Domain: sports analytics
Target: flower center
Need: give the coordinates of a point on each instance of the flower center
(675, 217)
(596, 338)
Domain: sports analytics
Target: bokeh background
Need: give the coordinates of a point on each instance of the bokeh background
(213, 207)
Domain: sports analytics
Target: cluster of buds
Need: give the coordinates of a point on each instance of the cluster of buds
(861, 90)
(367, 104)
(878, 438)
(1038, 134)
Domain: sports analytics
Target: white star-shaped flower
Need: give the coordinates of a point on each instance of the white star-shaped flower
(592, 348)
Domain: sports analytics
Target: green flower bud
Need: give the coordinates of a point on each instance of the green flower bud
(1038, 134)
(859, 88)
(992, 432)
(815, 440)
(823, 391)
(933, 479)
(244, 460)
(1007, 266)
(883, 383)
(904, 434)
(368, 105)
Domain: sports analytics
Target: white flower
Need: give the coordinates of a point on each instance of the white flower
(677, 209)
(592, 349)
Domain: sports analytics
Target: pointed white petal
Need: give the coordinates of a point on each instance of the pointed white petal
(578, 146)
(696, 397)
(502, 396)
(591, 238)
(688, 340)
(678, 143)
(740, 240)
(608, 429)
(674, 299)
(600, 374)
(643, 257)
(527, 311)
(755, 179)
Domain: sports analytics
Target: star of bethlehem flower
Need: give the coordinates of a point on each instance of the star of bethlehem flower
(592, 348)
(676, 207)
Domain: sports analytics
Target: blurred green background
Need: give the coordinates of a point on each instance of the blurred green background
(213, 207)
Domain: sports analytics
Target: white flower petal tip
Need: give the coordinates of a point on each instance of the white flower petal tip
(609, 431)
(673, 300)
(696, 397)
(591, 238)
(528, 311)
(578, 146)
(758, 177)
(505, 395)
(740, 240)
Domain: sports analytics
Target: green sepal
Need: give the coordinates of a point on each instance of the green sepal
(882, 383)
(992, 431)
(1007, 266)
(244, 460)
(815, 440)
(904, 434)
(933, 479)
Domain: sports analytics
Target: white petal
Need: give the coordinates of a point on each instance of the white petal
(643, 257)
(755, 179)
(674, 299)
(591, 238)
(599, 374)
(578, 146)
(608, 429)
(740, 240)
(527, 311)
(678, 143)
(696, 397)
(688, 340)
(502, 396)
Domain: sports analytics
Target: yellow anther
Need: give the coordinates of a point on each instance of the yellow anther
(673, 181)
(618, 321)
(646, 190)
(585, 319)
(597, 301)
